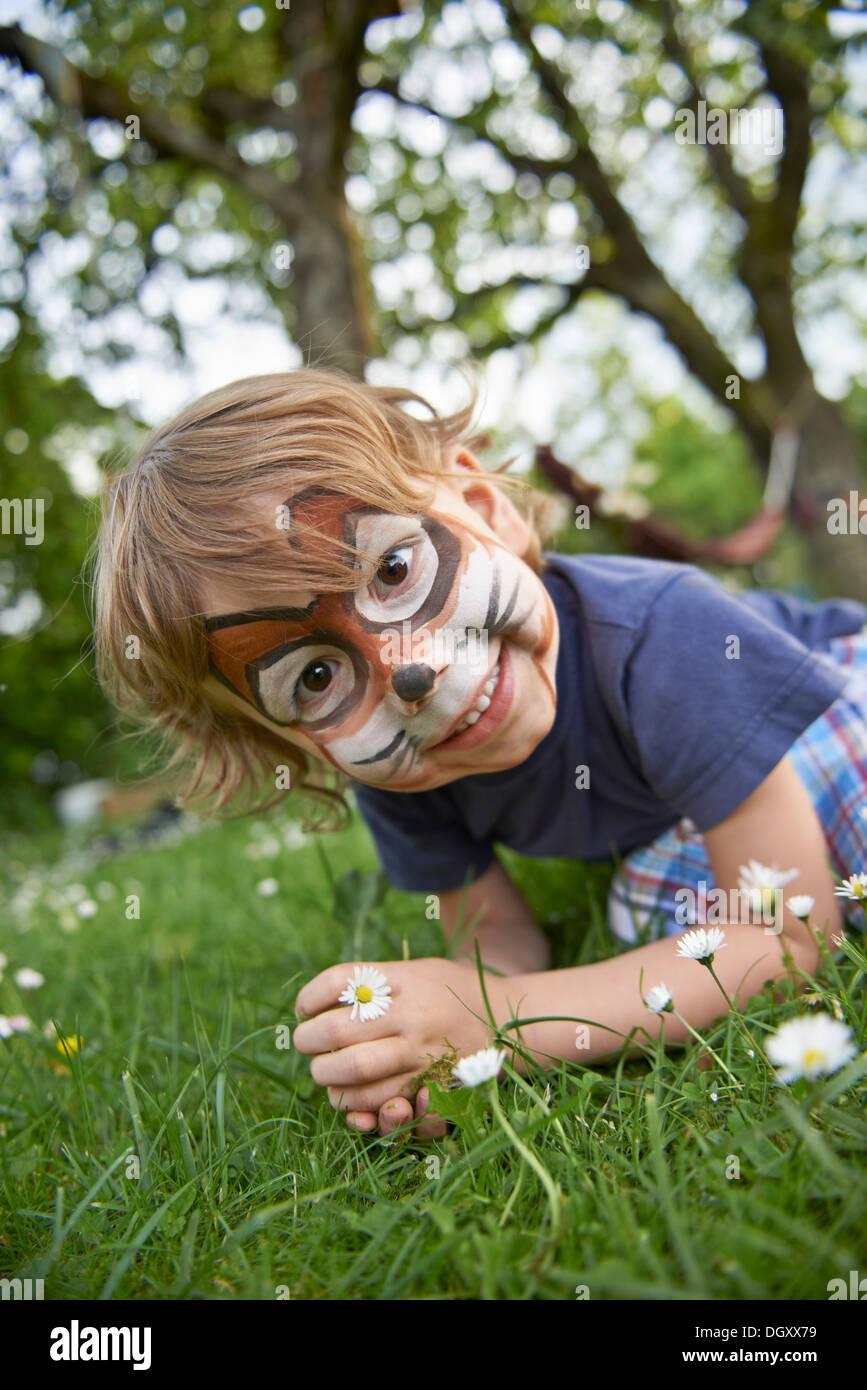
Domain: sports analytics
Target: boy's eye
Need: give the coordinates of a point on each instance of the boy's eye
(305, 683)
(402, 580)
(393, 569)
(316, 677)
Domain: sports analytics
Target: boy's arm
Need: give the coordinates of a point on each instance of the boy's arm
(494, 912)
(437, 1003)
(778, 826)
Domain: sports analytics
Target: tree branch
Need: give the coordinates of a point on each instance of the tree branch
(739, 193)
(472, 122)
(631, 274)
(72, 89)
(225, 104)
(594, 279)
(789, 83)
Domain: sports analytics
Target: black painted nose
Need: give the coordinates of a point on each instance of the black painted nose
(413, 682)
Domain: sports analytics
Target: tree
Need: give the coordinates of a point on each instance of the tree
(785, 56)
(54, 720)
(256, 123)
(127, 77)
(298, 81)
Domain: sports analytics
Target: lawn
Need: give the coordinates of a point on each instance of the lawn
(183, 1151)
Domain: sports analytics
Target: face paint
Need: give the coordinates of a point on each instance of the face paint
(378, 676)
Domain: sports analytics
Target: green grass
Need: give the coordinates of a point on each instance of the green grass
(183, 1154)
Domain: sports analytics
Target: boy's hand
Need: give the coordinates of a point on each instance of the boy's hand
(369, 1068)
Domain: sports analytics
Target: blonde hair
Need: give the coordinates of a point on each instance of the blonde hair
(179, 515)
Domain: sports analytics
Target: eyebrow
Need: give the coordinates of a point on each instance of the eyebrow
(259, 615)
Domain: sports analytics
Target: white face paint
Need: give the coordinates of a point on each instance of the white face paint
(492, 601)
(453, 632)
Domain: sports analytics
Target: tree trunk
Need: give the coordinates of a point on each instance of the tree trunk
(330, 297)
(829, 467)
(330, 310)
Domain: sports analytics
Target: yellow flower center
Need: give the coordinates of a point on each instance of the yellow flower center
(813, 1056)
(364, 994)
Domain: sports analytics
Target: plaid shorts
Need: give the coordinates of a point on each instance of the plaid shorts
(830, 758)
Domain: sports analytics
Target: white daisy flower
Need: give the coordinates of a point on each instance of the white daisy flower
(701, 944)
(762, 883)
(29, 979)
(854, 887)
(294, 837)
(87, 908)
(812, 1045)
(267, 888)
(801, 905)
(480, 1067)
(15, 1023)
(658, 999)
(367, 993)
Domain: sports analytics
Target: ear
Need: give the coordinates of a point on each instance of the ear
(490, 501)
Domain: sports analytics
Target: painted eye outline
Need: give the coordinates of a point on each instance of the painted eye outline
(441, 548)
(326, 647)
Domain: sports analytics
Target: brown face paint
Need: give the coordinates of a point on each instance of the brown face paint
(251, 642)
(456, 582)
(245, 637)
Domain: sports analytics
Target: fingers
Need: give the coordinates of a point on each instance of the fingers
(361, 1120)
(324, 990)
(373, 1097)
(361, 1065)
(335, 1030)
(392, 1115)
(395, 1113)
(431, 1127)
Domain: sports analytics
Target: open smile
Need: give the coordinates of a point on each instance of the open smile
(488, 710)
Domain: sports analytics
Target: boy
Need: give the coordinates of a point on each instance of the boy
(314, 574)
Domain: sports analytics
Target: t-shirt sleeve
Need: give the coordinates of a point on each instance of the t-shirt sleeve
(814, 624)
(715, 696)
(422, 845)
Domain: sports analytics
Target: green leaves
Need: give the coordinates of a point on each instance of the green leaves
(356, 897)
(454, 1105)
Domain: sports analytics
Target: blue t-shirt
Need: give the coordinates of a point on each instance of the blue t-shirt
(669, 715)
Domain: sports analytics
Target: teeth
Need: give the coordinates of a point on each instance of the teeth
(482, 703)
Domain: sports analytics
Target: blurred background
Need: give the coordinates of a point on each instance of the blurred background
(664, 305)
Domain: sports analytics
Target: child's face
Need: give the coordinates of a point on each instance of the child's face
(377, 680)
